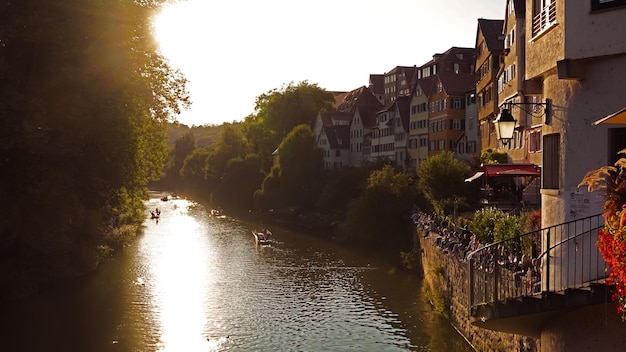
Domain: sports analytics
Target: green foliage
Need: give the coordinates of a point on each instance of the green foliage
(343, 185)
(483, 224)
(493, 225)
(411, 260)
(441, 178)
(437, 292)
(381, 214)
(203, 169)
(183, 147)
(193, 172)
(82, 118)
(298, 177)
(241, 178)
(489, 156)
(280, 110)
(506, 227)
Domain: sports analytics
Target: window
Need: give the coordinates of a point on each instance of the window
(544, 15)
(471, 147)
(551, 161)
(338, 152)
(534, 142)
(458, 125)
(606, 4)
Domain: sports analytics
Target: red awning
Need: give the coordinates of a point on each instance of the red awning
(494, 170)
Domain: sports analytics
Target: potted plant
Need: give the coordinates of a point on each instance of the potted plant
(612, 237)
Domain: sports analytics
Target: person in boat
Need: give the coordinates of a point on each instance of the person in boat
(158, 212)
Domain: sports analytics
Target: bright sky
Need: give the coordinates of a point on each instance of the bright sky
(232, 51)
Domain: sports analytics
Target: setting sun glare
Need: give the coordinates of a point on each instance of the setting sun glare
(234, 51)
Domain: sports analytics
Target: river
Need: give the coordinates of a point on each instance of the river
(194, 282)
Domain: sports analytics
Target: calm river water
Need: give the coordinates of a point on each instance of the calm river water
(192, 282)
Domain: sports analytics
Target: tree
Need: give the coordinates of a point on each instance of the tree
(240, 179)
(490, 156)
(380, 216)
(193, 173)
(441, 178)
(277, 112)
(81, 129)
(297, 179)
(183, 147)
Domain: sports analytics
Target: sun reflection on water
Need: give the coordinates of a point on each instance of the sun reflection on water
(182, 281)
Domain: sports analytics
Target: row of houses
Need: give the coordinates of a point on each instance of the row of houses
(554, 67)
(553, 82)
(404, 115)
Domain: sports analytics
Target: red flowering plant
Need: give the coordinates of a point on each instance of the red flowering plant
(612, 237)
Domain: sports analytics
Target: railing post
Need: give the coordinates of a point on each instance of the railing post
(471, 285)
(496, 277)
(547, 269)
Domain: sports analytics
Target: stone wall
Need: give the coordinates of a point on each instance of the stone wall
(446, 276)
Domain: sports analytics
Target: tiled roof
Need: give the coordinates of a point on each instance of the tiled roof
(338, 135)
(492, 31)
(403, 109)
(339, 97)
(329, 118)
(457, 83)
(368, 116)
(341, 137)
(427, 84)
(450, 54)
(360, 97)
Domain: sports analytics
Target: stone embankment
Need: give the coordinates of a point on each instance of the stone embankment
(447, 284)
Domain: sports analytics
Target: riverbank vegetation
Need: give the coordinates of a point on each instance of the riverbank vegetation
(85, 98)
(87, 128)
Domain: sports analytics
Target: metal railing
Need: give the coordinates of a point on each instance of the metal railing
(544, 19)
(567, 255)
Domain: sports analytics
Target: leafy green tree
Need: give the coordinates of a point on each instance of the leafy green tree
(240, 179)
(262, 139)
(183, 147)
(278, 111)
(380, 216)
(297, 179)
(203, 170)
(494, 225)
(81, 130)
(490, 156)
(230, 145)
(193, 174)
(441, 178)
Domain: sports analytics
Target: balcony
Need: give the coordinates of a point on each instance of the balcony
(545, 19)
(572, 275)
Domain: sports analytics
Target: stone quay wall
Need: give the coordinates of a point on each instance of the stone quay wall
(447, 280)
